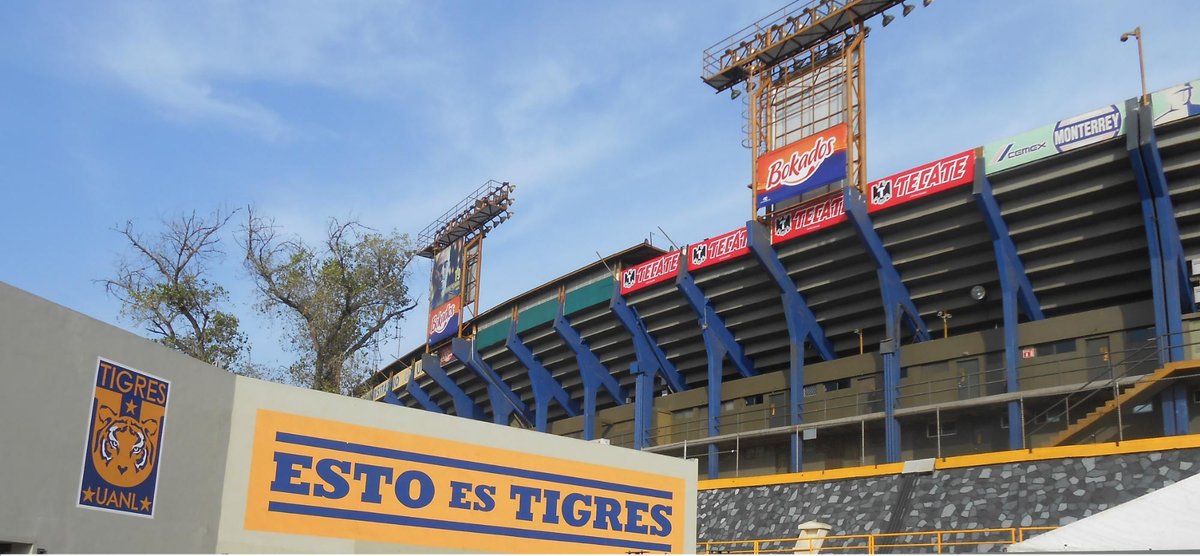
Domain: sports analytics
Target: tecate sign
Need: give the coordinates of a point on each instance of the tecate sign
(809, 217)
(921, 181)
(650, 272)
(725, 247)
(802, 166)
(1065, 135)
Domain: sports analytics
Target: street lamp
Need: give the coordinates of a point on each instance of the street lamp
(1137, 34)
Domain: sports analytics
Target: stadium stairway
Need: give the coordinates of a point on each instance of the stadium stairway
(1139, 392)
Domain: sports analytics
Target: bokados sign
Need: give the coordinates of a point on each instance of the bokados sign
(800, 167)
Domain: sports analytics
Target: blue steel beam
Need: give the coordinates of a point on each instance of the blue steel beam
(898, 309)
(593, 373)
(718, 343)
(419, 394)
(802, 326)
(463, 405)
(1015, 291)
(1168, 267)
(650, 363)
(504, 402)
(545, 387)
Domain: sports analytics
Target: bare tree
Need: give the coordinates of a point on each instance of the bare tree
(163, 287)
(338, 298)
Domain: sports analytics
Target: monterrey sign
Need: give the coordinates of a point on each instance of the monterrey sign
(651, 272)
(1064, 135)
(312, 476)
(802, 166)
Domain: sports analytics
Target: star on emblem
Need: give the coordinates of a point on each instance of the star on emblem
(89, 495)
(145, 502)
(130, 407)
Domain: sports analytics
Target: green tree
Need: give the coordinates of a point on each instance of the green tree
(337, 298)
(163, 287)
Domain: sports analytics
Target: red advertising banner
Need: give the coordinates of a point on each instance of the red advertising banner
(443, 320)
(822, 212)
(650, 272)
(802, 166)
(725, 247)
(940, 175)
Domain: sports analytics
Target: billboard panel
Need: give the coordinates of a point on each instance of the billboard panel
(312, 476)
(939, 175)
(445, 293)
(725, 247)
(1175, 103)
(651, 272)
(806, 218)
(1060, 137)
(802, 166)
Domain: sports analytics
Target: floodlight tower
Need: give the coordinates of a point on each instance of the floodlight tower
(463, 227)
(802, 67)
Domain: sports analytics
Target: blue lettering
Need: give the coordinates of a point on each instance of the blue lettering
(373, 474)
(404, 483)
(633, 513)
(551, 515)
(570, 516)
(659, 513)
(286, 473)
(458, 495)
(524, 496)
(338, 484)
(485, 494)
(608, 512)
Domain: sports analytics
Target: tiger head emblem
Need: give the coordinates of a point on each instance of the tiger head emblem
(123, 448)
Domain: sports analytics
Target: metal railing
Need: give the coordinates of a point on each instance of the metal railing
(941, 541)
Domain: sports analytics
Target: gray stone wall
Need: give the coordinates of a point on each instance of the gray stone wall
(1037, 493)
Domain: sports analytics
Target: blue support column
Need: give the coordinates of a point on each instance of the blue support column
(419, 394)
(1015, 291)
(593, 373)
(463, 405)
(803, 329)
(545, 388)
(898, 309)
(718, 342)
(505, 403)
(651, 362)
(1168, 267)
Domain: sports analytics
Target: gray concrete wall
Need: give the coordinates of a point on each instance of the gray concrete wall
(48, 358)
(1028, 494)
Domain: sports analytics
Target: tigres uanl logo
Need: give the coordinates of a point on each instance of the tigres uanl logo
(120, 468)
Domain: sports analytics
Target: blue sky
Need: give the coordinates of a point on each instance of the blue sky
(389, 112)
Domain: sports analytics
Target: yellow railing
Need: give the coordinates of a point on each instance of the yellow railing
(931, 541)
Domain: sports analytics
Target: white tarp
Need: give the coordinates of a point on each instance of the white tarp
(1167, 519)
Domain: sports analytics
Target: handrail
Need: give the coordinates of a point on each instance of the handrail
(937, 539)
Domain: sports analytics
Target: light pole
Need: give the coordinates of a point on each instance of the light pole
(1137, 34)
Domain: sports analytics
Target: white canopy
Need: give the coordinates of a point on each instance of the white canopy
(1167, 519)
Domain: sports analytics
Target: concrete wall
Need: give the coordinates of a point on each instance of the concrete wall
(48, 358)
(1026, 494)
(214, 458)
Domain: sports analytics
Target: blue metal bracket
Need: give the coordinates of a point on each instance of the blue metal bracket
(898, 309)
(545, 387)
(718, 342)
(505, 403)
(1015, 291)
(650, 357)
(419, 394)
(650, 362)
(802, 328)
(463, 405)
(594, 374)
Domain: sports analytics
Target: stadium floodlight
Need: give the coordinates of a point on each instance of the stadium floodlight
(926, 3)
(734, 93)
(908, 8)
(1137, 34)
(888, 19)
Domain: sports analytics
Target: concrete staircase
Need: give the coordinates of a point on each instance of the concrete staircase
(1145, 388)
